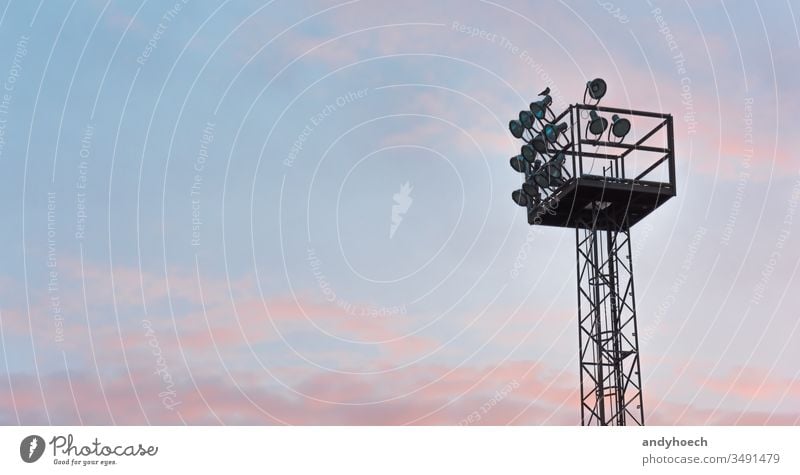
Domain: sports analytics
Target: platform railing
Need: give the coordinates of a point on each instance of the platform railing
(642, 144)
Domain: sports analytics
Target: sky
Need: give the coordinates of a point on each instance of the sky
(250, 212)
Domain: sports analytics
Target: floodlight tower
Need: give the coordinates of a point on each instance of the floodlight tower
(600, 177)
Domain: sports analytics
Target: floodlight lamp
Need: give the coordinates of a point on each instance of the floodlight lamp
(551, 132)
(516, 128)
(598, 124)
(620, 127)
(532, 190)
(519, 197)
(554, 170)
(596, 88)
(539, 144)
(518, 164)
(526, 119)
(539, 108)
(542, 179)
(528, 152)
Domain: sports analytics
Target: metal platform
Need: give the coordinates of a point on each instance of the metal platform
(571, 205)
(635, 176)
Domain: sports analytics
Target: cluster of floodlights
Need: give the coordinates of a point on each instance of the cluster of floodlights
(541, 158)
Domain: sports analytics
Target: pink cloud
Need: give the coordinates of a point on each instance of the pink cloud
(496, 399)
(752, 384)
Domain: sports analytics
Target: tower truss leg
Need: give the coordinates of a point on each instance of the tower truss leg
(611, 385)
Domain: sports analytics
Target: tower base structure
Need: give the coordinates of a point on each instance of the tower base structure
(611, 385)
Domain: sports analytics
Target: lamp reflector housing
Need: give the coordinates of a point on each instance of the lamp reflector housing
(519, 197)
(598, 124)
(532, 190)
(597, 88)
(620, 127)
(539, 108)
(528, 152)
(539, 144)
(518, 164)
(526, 119)
(516, 128)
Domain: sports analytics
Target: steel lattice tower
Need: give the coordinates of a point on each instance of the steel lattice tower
(601, 188)
(611, 387)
